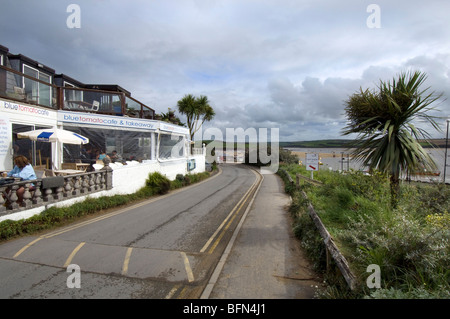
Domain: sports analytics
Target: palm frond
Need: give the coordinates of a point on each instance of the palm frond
(387, 138)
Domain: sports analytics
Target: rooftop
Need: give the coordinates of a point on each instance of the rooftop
(25, 80)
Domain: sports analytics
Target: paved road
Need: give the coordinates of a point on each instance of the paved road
(162, 248)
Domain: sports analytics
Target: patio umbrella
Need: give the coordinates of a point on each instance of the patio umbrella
(54, 135)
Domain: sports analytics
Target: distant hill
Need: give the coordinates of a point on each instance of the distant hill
(342, 143)
(332, 143)
(317, 144)
(437, 142)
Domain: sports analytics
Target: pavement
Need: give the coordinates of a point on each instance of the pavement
(264, 260)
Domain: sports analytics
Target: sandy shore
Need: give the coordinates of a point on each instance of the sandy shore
(302, 155)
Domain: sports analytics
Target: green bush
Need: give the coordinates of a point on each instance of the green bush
(411, 243)
(158, 182)
(186, 180)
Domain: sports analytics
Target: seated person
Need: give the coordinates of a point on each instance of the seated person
(102, 155)
(88, 157)
(24, 171)
(115, 157)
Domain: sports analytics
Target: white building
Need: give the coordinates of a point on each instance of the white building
(33, 97)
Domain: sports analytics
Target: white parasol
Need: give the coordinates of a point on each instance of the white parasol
(54, 135)
(57, 136)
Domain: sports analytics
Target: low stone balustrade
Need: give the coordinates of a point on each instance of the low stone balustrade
(49, 190)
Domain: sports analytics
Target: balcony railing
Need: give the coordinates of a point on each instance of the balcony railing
(52, 190)
(92, 101)
(23, 88)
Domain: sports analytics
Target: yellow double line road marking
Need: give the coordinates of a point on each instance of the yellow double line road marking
(234, 212)
(223, 227)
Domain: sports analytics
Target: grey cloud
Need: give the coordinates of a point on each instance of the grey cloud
(288, 64)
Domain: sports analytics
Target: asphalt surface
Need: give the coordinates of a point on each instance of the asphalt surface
(227, 237)
(165, 247)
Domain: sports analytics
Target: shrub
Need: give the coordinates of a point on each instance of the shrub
(159, 183)
(310, 240)
(411, 244)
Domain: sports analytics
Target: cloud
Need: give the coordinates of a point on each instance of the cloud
(262, 63)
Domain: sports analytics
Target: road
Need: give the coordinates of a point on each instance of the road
(166, 247)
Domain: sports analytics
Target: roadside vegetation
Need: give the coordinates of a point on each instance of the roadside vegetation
(156, 184)
(384, 121)
(410, 242)
(378, 220)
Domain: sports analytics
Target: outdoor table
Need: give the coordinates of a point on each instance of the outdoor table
(16, 179)
(82, 166)
(80, 105)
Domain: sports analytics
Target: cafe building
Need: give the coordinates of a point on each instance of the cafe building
(33, 96)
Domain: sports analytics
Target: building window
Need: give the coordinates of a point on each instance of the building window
(38, 153)
(171, 146)
(131, 145)
(35, 91)
(72, 95)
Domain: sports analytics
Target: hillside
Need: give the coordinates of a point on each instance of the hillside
(342, 143)
(317, 144)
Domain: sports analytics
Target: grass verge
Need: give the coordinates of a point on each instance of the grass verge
(410, 244)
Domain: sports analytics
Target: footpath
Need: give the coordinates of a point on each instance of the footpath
(265, 261)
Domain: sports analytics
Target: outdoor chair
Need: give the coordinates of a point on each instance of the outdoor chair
(49, 173)
(95, 106)
(19, 93)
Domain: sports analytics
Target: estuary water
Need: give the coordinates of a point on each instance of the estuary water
(337, 159)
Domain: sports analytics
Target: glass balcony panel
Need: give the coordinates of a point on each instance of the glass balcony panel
(92, 101)
(26, 89)
(133, 108)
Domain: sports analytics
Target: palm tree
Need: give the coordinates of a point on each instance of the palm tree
(197, 111)
(387, 138)
(170, 117)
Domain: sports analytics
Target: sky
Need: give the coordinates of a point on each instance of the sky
(276, 64)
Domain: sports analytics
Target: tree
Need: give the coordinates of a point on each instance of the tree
(170, 117)
(387, 138)
(197, 111)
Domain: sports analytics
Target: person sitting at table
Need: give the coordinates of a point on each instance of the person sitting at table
(115, 157)
(25, 172)
(102, 155)
(88, 157)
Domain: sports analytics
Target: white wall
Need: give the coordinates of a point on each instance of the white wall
(199, 164)
(130, 178)
(127, 179)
